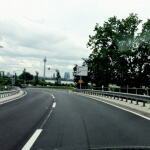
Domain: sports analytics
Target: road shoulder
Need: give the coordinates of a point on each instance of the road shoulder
(12, 97)
(137, 109)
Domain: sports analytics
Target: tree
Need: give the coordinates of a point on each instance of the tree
(76, 78)
(119, 54)
(36, 78)
(58, 77)
(26, 75)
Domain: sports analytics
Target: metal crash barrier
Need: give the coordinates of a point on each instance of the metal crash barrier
(8, 93)
(127, 96)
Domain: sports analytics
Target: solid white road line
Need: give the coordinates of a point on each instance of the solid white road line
(124, 109)
(147, 118)
(32, 139)
(54, 105)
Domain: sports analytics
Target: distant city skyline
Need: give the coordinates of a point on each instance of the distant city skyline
(67, 76)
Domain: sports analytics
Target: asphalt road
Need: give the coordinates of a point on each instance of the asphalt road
(69, 121)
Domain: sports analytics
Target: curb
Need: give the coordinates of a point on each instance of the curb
(13, 97)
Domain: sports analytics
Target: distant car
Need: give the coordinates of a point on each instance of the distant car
(23, 86)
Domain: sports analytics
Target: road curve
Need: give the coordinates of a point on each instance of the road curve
(55, 119)
(19, 118)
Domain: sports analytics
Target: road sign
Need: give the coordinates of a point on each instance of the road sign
(80, 81)
(82, 71)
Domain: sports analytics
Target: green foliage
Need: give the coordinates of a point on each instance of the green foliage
(5, 81)
(36, 81)
(58, 77)
(26, 75)
(120, 55)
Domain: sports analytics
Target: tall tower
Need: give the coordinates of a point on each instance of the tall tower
(44, 67)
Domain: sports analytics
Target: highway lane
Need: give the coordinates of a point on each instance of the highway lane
(69, 122)
(20, 118)
(79, 122)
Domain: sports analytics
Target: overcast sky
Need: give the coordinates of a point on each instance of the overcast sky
(57, 29)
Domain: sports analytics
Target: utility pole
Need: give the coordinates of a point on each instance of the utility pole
(44, 66)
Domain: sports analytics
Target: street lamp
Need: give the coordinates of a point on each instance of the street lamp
(13, 79)
(45, 60)
(52, 69)
(58, 78)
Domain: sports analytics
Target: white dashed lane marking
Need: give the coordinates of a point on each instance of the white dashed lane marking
(32, 139)
(54, 105)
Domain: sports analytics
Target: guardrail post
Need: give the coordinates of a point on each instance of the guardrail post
(115, 95)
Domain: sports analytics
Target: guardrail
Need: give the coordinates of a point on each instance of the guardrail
(118, 95)
(133, 90)
(8, 93)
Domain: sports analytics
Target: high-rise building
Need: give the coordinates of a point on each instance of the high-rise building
(53, 75)
(2, 73)
(67, 76)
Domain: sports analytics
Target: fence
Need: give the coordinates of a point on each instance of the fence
(8, 93)
(118, 95)
(134, 90)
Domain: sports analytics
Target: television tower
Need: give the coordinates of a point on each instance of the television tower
(44, 67)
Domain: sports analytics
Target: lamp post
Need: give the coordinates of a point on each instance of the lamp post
(58, 78)
(52, 69)
(14, 77)
(44, 67)
(13, 80)
(1, 47)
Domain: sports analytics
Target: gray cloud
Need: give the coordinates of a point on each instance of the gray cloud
(59, 30)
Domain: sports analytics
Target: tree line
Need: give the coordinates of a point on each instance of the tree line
(120, 53)
(26, 78)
